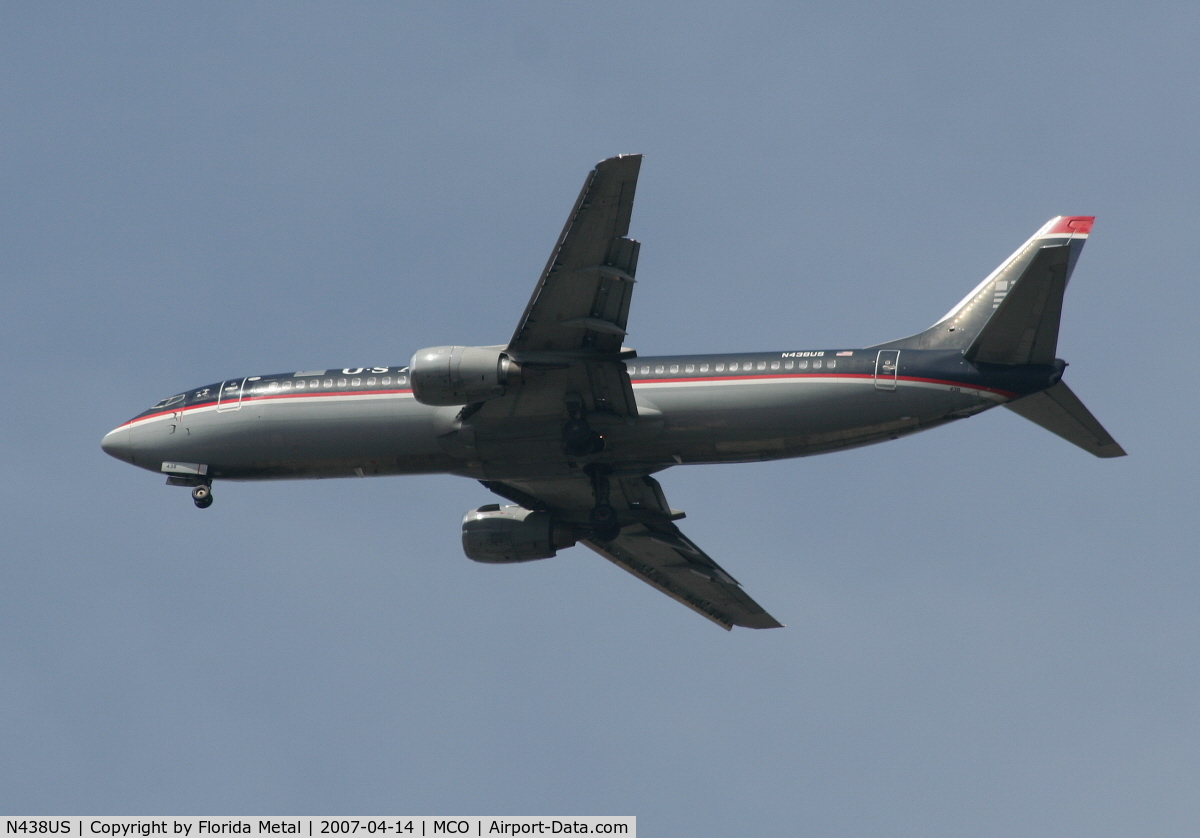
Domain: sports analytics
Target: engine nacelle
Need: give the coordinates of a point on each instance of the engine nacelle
(499, 534)
(448, 375)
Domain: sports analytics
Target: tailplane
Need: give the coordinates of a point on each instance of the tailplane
(1060, 411)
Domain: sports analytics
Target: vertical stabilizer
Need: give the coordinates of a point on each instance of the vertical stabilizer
(1012, 316)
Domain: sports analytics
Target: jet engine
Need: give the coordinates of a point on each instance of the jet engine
(449, 375)
(502, 534)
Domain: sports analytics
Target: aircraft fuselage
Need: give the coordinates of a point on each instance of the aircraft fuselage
(691, 409)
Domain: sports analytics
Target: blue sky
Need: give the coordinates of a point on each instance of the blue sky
(989, 632)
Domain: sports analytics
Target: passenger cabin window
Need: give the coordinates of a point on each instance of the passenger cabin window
(387, 379)
(659, 370)
(329, 382)
(402, 379)
(720, 368)
(774, 365)
(802, 365)
(832, 363)
(341, 382)
(787, 365)
(356, 382)
(645, 370)
(817, 364)
(762, 365)
(690, 368)
(674, 368)
(371, 381)
(704, 368)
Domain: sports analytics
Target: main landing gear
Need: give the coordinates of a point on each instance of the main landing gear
(603, 518)
(202, 496)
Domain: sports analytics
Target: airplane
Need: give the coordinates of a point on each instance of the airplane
(568, 425)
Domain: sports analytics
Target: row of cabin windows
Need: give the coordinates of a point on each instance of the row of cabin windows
(659, 369)
(313, 383)
(745, 366)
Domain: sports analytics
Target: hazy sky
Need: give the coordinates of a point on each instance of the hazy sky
(990, 633)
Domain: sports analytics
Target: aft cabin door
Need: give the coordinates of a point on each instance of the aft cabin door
(887, 365)
(230, 396)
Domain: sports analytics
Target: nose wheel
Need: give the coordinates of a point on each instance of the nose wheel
(202, 496)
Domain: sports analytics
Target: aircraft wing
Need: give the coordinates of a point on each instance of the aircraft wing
(581, 302)
(569, 338)
(650, 546)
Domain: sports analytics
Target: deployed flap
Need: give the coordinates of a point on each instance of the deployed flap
(581, 302)
(659, 554)
(1060, 411)
(650, 546)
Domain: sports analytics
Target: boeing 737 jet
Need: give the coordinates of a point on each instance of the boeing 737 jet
(568, 425)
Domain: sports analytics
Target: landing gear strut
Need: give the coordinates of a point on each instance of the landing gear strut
(202, 496)
(603, 518)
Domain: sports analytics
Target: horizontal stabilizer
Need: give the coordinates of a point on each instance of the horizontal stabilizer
(1060, 411)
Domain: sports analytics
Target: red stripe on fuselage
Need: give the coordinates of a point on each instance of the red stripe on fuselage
(266, 398)
(695, 380)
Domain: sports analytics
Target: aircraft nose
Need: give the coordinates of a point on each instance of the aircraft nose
(116, 444)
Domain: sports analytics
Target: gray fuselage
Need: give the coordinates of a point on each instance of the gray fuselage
(692, 409)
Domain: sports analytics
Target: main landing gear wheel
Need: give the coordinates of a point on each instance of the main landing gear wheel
(603, 519)
(202, 496)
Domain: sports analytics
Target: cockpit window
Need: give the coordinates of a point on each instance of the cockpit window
(170, 401)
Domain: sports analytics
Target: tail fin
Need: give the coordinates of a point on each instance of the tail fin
(1060, 411)
(1012, 316)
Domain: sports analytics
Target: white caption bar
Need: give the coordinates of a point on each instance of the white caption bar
(403, 826)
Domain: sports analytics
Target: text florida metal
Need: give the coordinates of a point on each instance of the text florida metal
(567, 425)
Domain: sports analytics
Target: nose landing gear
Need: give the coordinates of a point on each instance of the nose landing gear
(202, 496)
